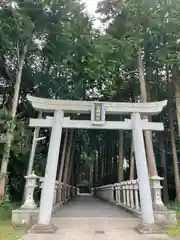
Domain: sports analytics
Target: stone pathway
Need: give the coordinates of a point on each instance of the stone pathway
(88, 218)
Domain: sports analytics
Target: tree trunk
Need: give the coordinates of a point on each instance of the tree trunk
(148, 134)
(96, 167)
(102, 166)
(177, 92)
(33, 149)
(70, 170)
(164, 166)
(131, 177)
(121, 156)
(65, 175)
(60, 176)
(90, 176)
(174, 150)
(10, 127)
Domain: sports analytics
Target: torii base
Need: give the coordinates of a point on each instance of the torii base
(150, 229)
(41, 228)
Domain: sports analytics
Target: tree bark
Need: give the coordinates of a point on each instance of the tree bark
(177, 92)
(173, 141)
(131, 177)
(103, 161)
(10, 127)
(65, 175)
(70, 170)
(148, 134)
(121, 156)
(91, 176)
(164, 166)
(96, 166)
(60, 176)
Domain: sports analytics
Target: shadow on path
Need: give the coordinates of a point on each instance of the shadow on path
(88, 218)
(89, 206)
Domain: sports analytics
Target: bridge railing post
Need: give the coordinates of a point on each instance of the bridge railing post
(131, 188)
(127, 195)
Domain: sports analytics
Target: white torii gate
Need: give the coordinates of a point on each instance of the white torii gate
(98, 111)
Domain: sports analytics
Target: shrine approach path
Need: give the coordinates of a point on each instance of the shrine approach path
(88, 218)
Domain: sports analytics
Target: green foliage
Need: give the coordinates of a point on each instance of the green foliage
(175, 231)
(6, 206)
(68, 59)
(174, 206)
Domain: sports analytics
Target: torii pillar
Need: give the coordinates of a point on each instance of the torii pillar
(46, 203)
(136, 124)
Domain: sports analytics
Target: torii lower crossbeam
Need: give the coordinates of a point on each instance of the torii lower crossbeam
(136, 124)
(85, 124)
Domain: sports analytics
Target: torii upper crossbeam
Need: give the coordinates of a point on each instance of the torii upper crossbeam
(136, 124)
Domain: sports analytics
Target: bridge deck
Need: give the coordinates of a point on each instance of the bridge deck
(88, 218)
(88, 206)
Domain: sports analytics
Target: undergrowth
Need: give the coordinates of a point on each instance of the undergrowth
(175, 231)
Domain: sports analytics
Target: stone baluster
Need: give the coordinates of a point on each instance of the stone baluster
(132, 194)
(73, 191)
(29, 202)
(41, 183)
(60, 192)
(136, 190)
(116, 191)
(117, 194)
(55, 192)
(64, 192)
(127, 193)
(112, 193)
(69, 191)
(117, 187)
(120, 194)
(124, 193)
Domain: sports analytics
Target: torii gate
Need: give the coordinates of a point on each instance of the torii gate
(98, 111)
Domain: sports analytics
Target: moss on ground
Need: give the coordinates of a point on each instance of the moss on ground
(10, 232)
(7, 230)
(175, 231)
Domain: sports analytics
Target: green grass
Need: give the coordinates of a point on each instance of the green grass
(7, 230)
(175, 231)
(10, 232)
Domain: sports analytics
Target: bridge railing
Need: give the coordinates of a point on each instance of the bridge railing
(106, 192)
(124, 194)
(56, 189)
(127, 195)
(62, 192)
